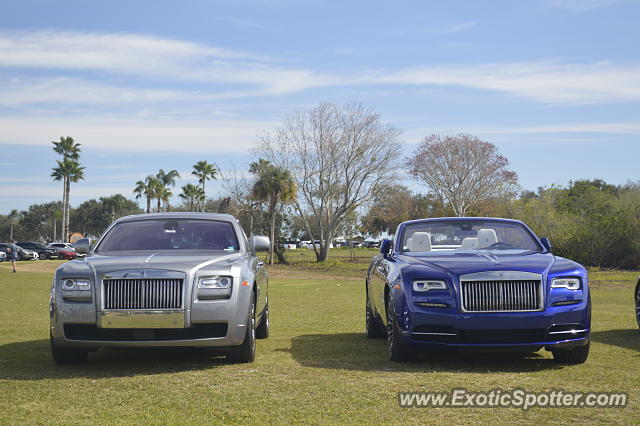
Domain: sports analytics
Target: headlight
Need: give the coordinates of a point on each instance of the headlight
(568, 283)
(76, 284)
(426, 285)
(218, 281)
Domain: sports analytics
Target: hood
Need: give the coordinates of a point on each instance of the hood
(462, 263)
(183, 262)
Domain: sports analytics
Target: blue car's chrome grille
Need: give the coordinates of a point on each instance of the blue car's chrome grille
(142, 293)
(501, 296)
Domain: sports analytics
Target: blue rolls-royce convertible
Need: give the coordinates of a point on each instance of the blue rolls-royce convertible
(476, 284)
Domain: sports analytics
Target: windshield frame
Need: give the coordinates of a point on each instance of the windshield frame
(480, 220)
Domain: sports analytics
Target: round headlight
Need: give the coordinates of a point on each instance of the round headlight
(225, 281)
(68, 284)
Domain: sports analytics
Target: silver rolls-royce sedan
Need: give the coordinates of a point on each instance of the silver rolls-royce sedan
(162, 280)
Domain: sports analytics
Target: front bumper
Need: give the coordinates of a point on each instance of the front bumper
(204, 323)
(553, 328)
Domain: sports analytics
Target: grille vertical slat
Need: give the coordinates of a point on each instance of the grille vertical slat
(143, 293)
(496, 296)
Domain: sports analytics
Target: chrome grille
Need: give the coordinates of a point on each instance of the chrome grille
(142, 293)
(501, 296)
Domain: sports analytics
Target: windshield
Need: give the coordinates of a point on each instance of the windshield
(170, 234)
(456, 235)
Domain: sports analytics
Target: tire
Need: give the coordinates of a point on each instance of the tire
(262, 331)
(638, 304)
(577, 355)
(65, 356)
(373, 330)
(42, 256)
(246, 352)
(397, 351)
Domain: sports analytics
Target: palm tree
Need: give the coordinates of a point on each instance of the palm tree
(257, 166)
(145, 188)
(68, 171)
(204, 171)
(192, 195)
(165, 180)
(274, 185)
(70, 150)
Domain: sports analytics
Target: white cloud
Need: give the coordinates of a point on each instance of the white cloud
(147, 56)
(133, 135)
(542, 82)
(582, 5)
(222, 74)
(616, 128)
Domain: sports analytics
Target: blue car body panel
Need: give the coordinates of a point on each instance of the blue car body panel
(563, 321)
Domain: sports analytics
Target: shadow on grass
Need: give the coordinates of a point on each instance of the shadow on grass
(31, 360)
(353, 351)
(626, 338)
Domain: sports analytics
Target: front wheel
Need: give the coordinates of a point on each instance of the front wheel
(246, 352)
(42, 256)
(577, 355)
(397, 351)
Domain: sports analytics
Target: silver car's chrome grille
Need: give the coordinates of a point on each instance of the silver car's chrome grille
(501, 296)
(159, 293)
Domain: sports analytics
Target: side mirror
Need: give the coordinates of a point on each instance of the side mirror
(259, 243)
(83, 246)
(546, 243)
(385, 248)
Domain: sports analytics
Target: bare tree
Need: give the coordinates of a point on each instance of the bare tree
(339, 155)
(461, 170)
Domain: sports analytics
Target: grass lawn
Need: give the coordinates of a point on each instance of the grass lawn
(317, 366)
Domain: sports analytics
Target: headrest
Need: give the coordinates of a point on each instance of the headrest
(486, 237)
(469, 243)
(420, 241)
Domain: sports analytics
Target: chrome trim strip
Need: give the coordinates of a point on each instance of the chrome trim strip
(434, 334)
(569, 331)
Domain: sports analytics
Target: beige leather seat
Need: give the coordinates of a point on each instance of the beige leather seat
(420, 241)
(469, 243)
(486, 237)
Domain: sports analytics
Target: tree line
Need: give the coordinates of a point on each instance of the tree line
(334, 169)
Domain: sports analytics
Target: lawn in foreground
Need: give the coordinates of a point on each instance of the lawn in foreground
(317, 366)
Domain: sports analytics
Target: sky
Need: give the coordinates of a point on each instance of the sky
(144, 85)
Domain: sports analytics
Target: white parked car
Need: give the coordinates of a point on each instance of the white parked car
(63, 246)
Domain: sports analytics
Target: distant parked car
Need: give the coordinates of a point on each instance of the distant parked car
(309, 245)
(26, 254)
(66, 254)
(3, 256)
(43, 251)
(65, 246)
(288, 245)
(477, 283)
